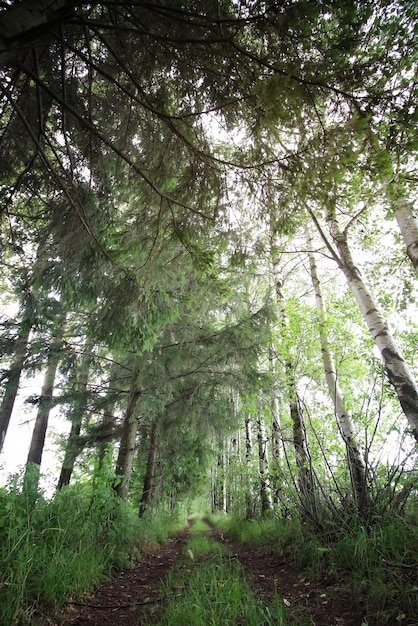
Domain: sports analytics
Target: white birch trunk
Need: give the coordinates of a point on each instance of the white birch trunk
(356, 462)
(265, 493)
(408, 225)
(397, 370)
(249, 499)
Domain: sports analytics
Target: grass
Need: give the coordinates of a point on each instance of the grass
(210, 587)
(377, 563)
(263, 532)
(216, 592)
(381, 564)
(200, 546)
(56, 549)
(51, 550)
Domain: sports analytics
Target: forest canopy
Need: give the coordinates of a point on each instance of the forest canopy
(209, 248)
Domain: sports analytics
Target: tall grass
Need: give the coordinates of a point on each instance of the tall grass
(51, 550)
(378, 563)
(382, 564)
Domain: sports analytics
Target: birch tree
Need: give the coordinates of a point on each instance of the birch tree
(408, 225)
(398, 372)
(355, 458)
(263, 467)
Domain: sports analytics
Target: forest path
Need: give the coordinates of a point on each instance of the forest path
(136, 596)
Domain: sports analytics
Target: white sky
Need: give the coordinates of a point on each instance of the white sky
(16, 446)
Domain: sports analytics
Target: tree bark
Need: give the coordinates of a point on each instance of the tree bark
(148, 488)
(305, 478)
(107, 427)
(263, 469)
(74, 446)
(127, 447)
(277, 451)
(249, 497)
(41, 423)
(397, 370)
(15, 370)
(408, 225)
(356, 462)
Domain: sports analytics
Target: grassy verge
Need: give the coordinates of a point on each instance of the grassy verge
(377, 563)
(51, 550)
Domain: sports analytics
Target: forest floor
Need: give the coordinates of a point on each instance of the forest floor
(136, 596)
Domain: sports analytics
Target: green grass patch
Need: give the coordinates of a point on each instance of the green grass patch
(217, 592)
(201, 546)
(51, 550)
(199, 526)
(258, 533)
(210, 587)
(381, 564)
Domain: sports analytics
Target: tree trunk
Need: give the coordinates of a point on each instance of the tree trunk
(220, 487)
(127, 447)
(397, 370)
(305, 480)
(305, 477)
(74, 445)
(356, 462)
(277, 451)
(249, 499)
(408, 225)
(148, 489)
(15, 370)
(41, 422)
(265, 494)
(276, 430)
(107, 427)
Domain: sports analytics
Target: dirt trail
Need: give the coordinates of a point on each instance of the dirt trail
(323, 601)
(137, 596)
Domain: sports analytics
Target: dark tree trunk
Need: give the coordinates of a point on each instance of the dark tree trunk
(41, 423)
(15, 370)
(127, 447)
(148, 489)
(74, 444)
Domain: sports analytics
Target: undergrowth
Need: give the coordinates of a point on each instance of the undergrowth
(51, 550)
(377, 563)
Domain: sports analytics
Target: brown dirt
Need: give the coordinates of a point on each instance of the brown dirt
(136, 596)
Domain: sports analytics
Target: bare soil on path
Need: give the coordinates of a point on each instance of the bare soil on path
(136, 596)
